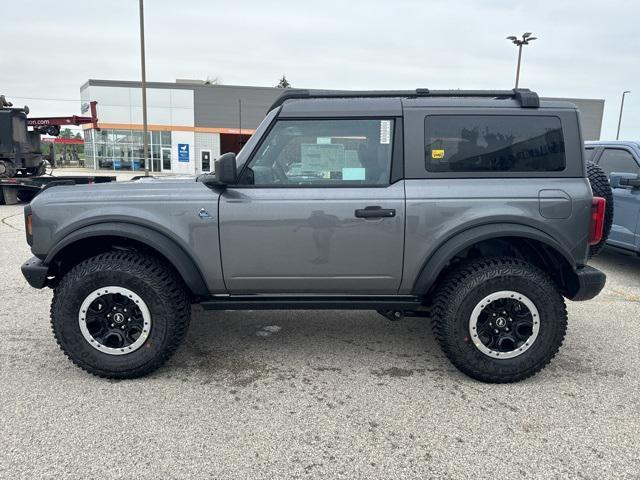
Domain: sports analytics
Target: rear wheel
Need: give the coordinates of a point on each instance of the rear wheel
(601, 188)
(120, 314)
(499, 320)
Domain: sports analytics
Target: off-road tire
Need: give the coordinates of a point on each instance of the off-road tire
(153, 280)
(601, 188)
(465, 286)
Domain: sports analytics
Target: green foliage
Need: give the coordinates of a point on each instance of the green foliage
(283, 83)
(66, 133)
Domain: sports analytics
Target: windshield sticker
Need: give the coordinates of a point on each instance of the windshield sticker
(437, 154)
(385, 132)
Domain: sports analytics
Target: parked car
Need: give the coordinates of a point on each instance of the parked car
(473, 207)
(620, 161)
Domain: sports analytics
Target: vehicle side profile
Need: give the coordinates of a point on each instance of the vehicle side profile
(470, 207)
(620, 161)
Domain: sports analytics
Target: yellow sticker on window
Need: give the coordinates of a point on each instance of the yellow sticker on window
(437, 153)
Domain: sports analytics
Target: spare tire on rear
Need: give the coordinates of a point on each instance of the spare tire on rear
(601, 188)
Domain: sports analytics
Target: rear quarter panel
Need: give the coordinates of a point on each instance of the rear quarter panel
(438, 209)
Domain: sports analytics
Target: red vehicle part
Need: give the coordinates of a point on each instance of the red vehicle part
(598, 207)
(51, 125)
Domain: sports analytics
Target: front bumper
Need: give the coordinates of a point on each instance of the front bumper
(35, 271)
(589, 283)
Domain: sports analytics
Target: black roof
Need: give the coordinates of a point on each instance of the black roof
(524, 96)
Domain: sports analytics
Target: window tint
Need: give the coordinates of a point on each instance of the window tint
(493, 143)
(589, 152)
(617, 160)
(323, 152)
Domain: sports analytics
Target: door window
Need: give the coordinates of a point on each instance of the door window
(618, 160)
(323, 153)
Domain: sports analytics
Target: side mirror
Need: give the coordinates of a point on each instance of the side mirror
(225, 171)
(624, 180)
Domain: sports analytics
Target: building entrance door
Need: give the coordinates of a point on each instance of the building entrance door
(205, 161)
(165, 156)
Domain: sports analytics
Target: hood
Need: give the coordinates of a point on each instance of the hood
(143, 189)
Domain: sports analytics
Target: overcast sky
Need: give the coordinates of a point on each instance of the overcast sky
(587, 48)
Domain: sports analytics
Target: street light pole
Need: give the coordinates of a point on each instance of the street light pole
(518, 67)
(519, 42)
(145, 139)
(620, 117)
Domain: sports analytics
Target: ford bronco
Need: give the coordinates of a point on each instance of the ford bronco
(470, 207)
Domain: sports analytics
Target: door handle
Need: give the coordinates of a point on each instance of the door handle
(375, 212)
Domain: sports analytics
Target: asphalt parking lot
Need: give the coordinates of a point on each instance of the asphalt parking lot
(318, 395)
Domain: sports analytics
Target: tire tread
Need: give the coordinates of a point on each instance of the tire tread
(158, 274)
(453, 283)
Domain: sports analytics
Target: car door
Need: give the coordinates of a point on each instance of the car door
(315, 211)
(626, 212)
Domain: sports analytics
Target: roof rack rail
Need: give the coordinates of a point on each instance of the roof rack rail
(524, 96)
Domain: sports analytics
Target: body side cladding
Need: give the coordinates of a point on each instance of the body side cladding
(452, 246)
(174, 253)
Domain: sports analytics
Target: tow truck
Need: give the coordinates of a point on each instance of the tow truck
(22, 164)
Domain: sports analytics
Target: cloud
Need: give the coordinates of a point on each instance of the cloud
(585, 48)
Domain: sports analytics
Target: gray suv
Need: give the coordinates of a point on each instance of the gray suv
(470, 207)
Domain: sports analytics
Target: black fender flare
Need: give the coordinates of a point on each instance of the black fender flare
(450, 247)
(174, 253)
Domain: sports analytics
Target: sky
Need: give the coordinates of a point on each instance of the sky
(585, 49)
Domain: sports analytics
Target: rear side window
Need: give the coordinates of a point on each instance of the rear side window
(494, 143)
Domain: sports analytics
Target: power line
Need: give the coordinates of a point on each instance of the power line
(10, 97)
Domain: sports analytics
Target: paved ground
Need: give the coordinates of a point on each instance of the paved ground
(329, 395)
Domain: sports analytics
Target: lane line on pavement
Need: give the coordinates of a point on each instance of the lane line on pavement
(8, 224)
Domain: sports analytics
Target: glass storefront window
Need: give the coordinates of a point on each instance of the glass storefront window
(122, 136)
(123, 149)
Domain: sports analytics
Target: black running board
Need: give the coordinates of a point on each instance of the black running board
(265, 302)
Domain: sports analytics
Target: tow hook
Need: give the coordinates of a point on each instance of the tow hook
(393, 315)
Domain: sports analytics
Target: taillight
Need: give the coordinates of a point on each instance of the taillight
(596, 228)
(28, 224)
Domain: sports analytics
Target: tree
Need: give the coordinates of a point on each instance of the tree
(213, 80)
(283, 83)
(66, 133)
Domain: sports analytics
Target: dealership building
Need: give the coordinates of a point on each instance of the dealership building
(191, 123)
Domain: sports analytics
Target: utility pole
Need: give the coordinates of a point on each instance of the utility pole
(145, 139)
(240, 122)
(620, 117)
(519, 42)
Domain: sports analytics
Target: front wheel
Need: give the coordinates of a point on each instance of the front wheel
(120, 314)
(499, 320)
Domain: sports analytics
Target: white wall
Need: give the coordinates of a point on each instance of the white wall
(124, 105)
(207, 141)
(176, 165)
